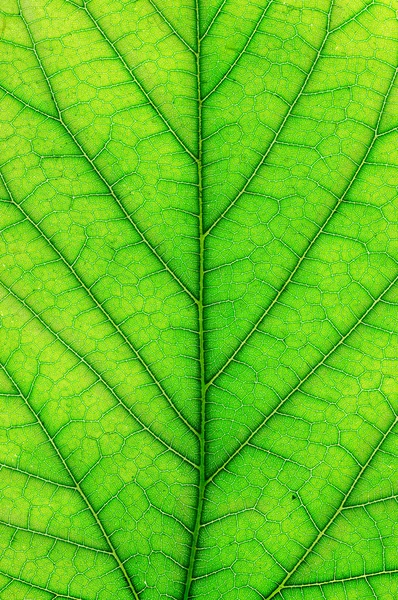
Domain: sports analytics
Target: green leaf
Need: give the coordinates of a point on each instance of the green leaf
(198, 291)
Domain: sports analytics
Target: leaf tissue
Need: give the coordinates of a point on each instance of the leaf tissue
(198, 285)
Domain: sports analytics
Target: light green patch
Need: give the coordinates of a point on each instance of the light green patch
(198, 300)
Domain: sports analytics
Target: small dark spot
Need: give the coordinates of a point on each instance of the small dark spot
(294, 497)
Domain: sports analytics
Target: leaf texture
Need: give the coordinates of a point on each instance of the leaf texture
(198, 393)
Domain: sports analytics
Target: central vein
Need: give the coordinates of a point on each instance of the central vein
(201, 489)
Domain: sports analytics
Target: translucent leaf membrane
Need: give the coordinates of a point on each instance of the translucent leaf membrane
(198, 300)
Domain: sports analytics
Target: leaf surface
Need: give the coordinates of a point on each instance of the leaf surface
(198, 394)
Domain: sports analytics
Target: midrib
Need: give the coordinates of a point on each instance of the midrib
(199, 508)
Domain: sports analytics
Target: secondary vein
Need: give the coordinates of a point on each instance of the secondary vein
(146, 366)
(77, 486)
(98, 172)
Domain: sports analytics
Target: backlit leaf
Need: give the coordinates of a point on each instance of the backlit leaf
(198, 393)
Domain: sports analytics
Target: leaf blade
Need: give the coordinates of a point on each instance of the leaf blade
(198, 297)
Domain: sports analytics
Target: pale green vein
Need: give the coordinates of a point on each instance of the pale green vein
(26, 104)
(280, 129)
(210, 25)
(354, 17)
(300, 383)
(39, 587)
(106, 314)
(136, 80)
(99, 377)
(111, 192)
(241, 53)
(55, 538)
(388, 131)
(30, 475)
(170, 25)
(347, 507)
(335, 515)
(371, 502)
(343, 580)
(320, 231)
(78, 488)
(99, 174)
(161, 510)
